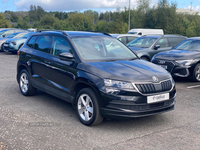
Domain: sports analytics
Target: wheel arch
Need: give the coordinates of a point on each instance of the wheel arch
(85, 83)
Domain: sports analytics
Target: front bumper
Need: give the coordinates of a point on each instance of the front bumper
(9, 48)
(174, 68)
(116, 108)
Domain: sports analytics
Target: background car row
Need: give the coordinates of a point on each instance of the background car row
(182, 61)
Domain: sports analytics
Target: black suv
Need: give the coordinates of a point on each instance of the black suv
(147, 46)
(95, 72)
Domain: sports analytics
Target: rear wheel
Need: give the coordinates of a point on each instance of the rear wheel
(196, 73)
(87, 107)
(1, 50)
(25, 85)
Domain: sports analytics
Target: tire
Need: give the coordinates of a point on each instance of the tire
(25, 85)
(145, 58)
(88, 112)
(1, 50)
(196, 73)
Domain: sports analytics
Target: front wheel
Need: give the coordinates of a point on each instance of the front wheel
(196, 73)
(25, 85)
(87, 107)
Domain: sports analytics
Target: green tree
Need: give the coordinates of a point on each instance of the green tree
(3, 22)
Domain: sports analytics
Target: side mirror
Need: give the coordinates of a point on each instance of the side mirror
(66, 56)
(156, 47)
(3, 35)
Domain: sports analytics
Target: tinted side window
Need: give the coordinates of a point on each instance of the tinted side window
(31, 41)
(173, 41)
(162, 42)
(131, 38)
(122, 39)
(43, 43)
(60, 46)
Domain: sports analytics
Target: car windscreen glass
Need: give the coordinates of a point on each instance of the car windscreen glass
(189, 44)
(132, 33)
(26, 35)
(142, 42)
(102, 49)
(12, 35)
(20, 35)
(1, 32)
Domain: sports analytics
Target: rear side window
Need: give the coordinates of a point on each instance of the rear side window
(173, 41)
(122, 39)
(43, 43)
(31, 41)
(162, 42)
(60, 46)
(131, 38)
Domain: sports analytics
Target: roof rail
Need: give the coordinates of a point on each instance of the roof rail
(54, 31)
(99, 32)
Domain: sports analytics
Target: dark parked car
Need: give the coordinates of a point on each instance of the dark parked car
(147, 46)
(78, 68)
(183, 60)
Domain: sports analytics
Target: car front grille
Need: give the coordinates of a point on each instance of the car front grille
(154, 87)
(170, 65)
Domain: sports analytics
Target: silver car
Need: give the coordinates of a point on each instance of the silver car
(14, 35)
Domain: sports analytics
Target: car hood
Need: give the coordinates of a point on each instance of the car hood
(178, 55)
(3, 40)
(133, 71)
(138, 48)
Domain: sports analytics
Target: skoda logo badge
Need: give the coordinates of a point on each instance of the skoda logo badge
(155, 79)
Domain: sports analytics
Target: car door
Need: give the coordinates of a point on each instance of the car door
(60, 74)
(37, 54)
(164, 46)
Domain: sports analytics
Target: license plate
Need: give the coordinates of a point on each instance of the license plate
(164, 66)
(5, 44)
(157, 98)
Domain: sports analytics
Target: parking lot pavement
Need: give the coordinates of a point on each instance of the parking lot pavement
(45, 122)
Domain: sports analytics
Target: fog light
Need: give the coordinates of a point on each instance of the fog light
(112, 91)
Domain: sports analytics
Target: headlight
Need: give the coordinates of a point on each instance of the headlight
(118, 84)
(185, 62)
(13, 43)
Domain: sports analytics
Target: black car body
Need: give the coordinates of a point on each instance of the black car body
(147, 46)
(98, 78)
(183, 60)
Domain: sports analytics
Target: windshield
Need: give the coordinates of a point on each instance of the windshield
(189, 44)
(12, 35)
(132, 33)
(1, 32)
(26, 35)
(102, 48)
(20, 35)
(142, 42)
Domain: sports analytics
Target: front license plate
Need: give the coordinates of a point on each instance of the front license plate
(157, 98)
(5, 45)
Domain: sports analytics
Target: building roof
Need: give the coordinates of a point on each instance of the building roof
(188, 11)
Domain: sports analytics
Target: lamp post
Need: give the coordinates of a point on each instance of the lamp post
(129, 17)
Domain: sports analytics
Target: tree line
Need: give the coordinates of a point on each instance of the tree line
(161, 16)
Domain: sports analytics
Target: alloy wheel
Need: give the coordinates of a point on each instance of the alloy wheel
(85, 107)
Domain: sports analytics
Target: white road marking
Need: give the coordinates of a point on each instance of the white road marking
(190, 87)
